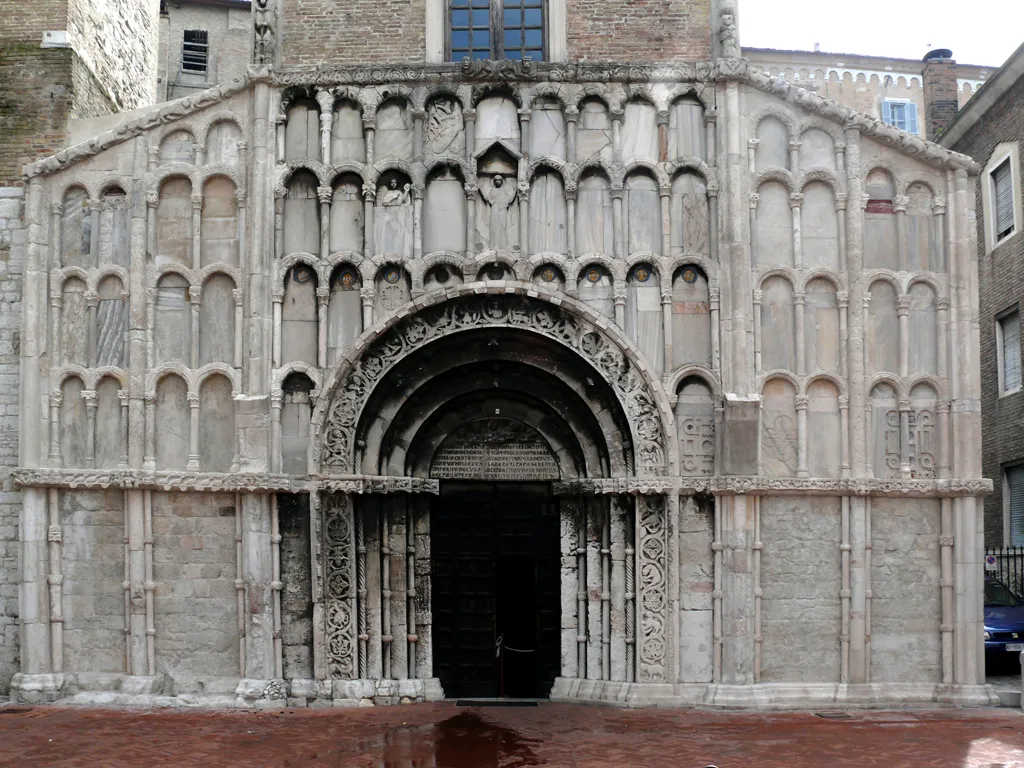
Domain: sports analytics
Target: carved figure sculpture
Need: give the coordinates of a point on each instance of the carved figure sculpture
(394, 196)
(499, 197)
(728, 36)
(263, 28)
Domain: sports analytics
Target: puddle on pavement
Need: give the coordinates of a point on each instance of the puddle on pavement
(463, 741)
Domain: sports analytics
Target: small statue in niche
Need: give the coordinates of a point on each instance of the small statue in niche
(728, 35)
(263, 28)
(499, 196)
(394, 196)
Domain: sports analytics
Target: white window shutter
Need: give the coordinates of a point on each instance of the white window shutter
(1002, 181)
(886, 112)
(1011, 352)
(912, 117)
(1015, 481)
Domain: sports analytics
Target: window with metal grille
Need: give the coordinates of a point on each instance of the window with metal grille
(900, 114)
(1015, 502)
(496, 29)
(1002, 197)
(195, 51)
(1009, 353)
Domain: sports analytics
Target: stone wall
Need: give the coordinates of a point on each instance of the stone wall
(801, 580)
(229, 32)
(905, 597)
(194, 567)
(92, 523)
(696, 582)
(624, 30)
(296, 577)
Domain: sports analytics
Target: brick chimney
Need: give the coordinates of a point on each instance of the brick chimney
(941, 94)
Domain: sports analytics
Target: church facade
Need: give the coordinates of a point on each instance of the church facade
(553, 371)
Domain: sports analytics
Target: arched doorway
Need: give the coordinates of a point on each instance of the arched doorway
(504, 580)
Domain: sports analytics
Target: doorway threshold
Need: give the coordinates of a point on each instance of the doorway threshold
(498, 702)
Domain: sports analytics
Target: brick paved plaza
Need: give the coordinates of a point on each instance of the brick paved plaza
(557, 736)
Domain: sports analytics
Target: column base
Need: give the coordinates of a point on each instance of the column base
(369, 693)
(41, 688)
(262, 694)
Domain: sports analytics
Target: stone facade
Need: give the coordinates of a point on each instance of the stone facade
(727, 325)
(228, 25)
(988, 129)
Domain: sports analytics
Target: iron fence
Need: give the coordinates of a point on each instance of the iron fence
(1009, 567)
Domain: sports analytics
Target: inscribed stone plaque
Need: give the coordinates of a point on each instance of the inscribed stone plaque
(494, 449)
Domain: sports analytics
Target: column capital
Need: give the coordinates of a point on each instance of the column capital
(801, 402)
(193, 399)
(754, 199)
(325, 194)
(842, 299)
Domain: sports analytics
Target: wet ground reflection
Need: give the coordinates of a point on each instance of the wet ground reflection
(463, 741)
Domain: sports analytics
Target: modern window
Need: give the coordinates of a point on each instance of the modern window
(1013, 503)
(1008, 349)
(1002, 197)
(496, 29)
(195, 51)
(901, 114)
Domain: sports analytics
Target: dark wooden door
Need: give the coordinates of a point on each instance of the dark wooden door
(495, 553)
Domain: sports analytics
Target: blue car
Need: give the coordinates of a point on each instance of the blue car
(1004, 621)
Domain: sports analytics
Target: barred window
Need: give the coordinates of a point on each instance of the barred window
(195, 51)
(497, 29)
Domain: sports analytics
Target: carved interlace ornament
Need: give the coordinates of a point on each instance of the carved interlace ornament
(652, 598)
(472, 312)
(340, 587)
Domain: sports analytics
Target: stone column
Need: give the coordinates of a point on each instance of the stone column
(572, 115)
(666, 221)
(666, 321)
(758, 296)
(152, 200)
(323, 297)
(278, 306)
(325, 99)
(236, 294)
(275, 430)
(280, 193)
(752, 145)
(149, 460)
(89, 395)
(124, 398)
(472, 192)
(663, 121)
(569, 539)
(900, 209)
(794, 156)
(469, 117)
(801, 436)
(903, 313)
(905, 411)
(369, 126)
(369, 200)
(418, 192)
(716, 353)
(366, 295)
(570, 224)
(844, 430)
(796, 201)
(56, 304)
(595, 648)
(95, 209)
(618, 529)
(710, 121)
(195, 294)
(419, 117)
(799, 303)
(55, 581)
(91, 301)
(617, 114)
(524, 132)
(325, 194)
(618, 225)
(843, 302)
(56, 398)
(193, 440)
(841, 219)
(197, 229)
(524, 217)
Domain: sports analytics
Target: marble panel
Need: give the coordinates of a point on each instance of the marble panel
(348, 144)
(219, 233)
(446, 128)
(111, 324)
(497, 119)
(547, 129)
(881, 243)
(596, 289)
(174, 223)
(773, 145)
(393, 137)
(923, 324)
(178, 147)
(173, 423)
(444, 213)
(695, 422)
(302, 132)
(645, 323)
(222, 143)
(344, 312)
(686, 136)
(299, 317)
(884, 449)
(217, 321)
(922, 245)
(594, 218)
(773, 243)
(690, 215)
(691, 318)
(594, 133)
(76, 226)
(108, 423)
(348, 226)
(824, 436)
(696, 576)
(115, 229)
(817, 150)
(296, 411)
(640, 132)
(819, 225)
(74, 338)
(923, 445)
(821, 326)
(216, 424)
(302, 215)
(392, 292)
(778, 329)
(548, 214)
(778, 429)
(172, 332)
(642, 205)
(883, 329)
(73, 423)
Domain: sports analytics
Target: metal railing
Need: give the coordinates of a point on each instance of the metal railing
(1009, 567)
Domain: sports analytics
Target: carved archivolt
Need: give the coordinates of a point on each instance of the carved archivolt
(337, 415)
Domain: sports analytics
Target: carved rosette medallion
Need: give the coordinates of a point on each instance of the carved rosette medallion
(472, 312)
(652, 590)
(340, 587)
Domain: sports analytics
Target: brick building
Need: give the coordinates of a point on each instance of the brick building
(454, 330)
(991, 129)
(202, 43)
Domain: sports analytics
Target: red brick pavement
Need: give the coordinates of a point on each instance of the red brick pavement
(551, 735)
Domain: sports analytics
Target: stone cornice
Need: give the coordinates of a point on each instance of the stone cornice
(772, 486)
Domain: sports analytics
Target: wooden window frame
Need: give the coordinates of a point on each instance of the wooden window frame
(497, 30)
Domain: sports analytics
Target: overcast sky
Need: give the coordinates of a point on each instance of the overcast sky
(982, 32)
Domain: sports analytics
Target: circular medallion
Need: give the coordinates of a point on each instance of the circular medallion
(441, 275)
(593, 274)
(392, 275)
(690, 275)
(347, 279)
(497, 272)
(302, 275)
(641, 274)
(548, 275)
